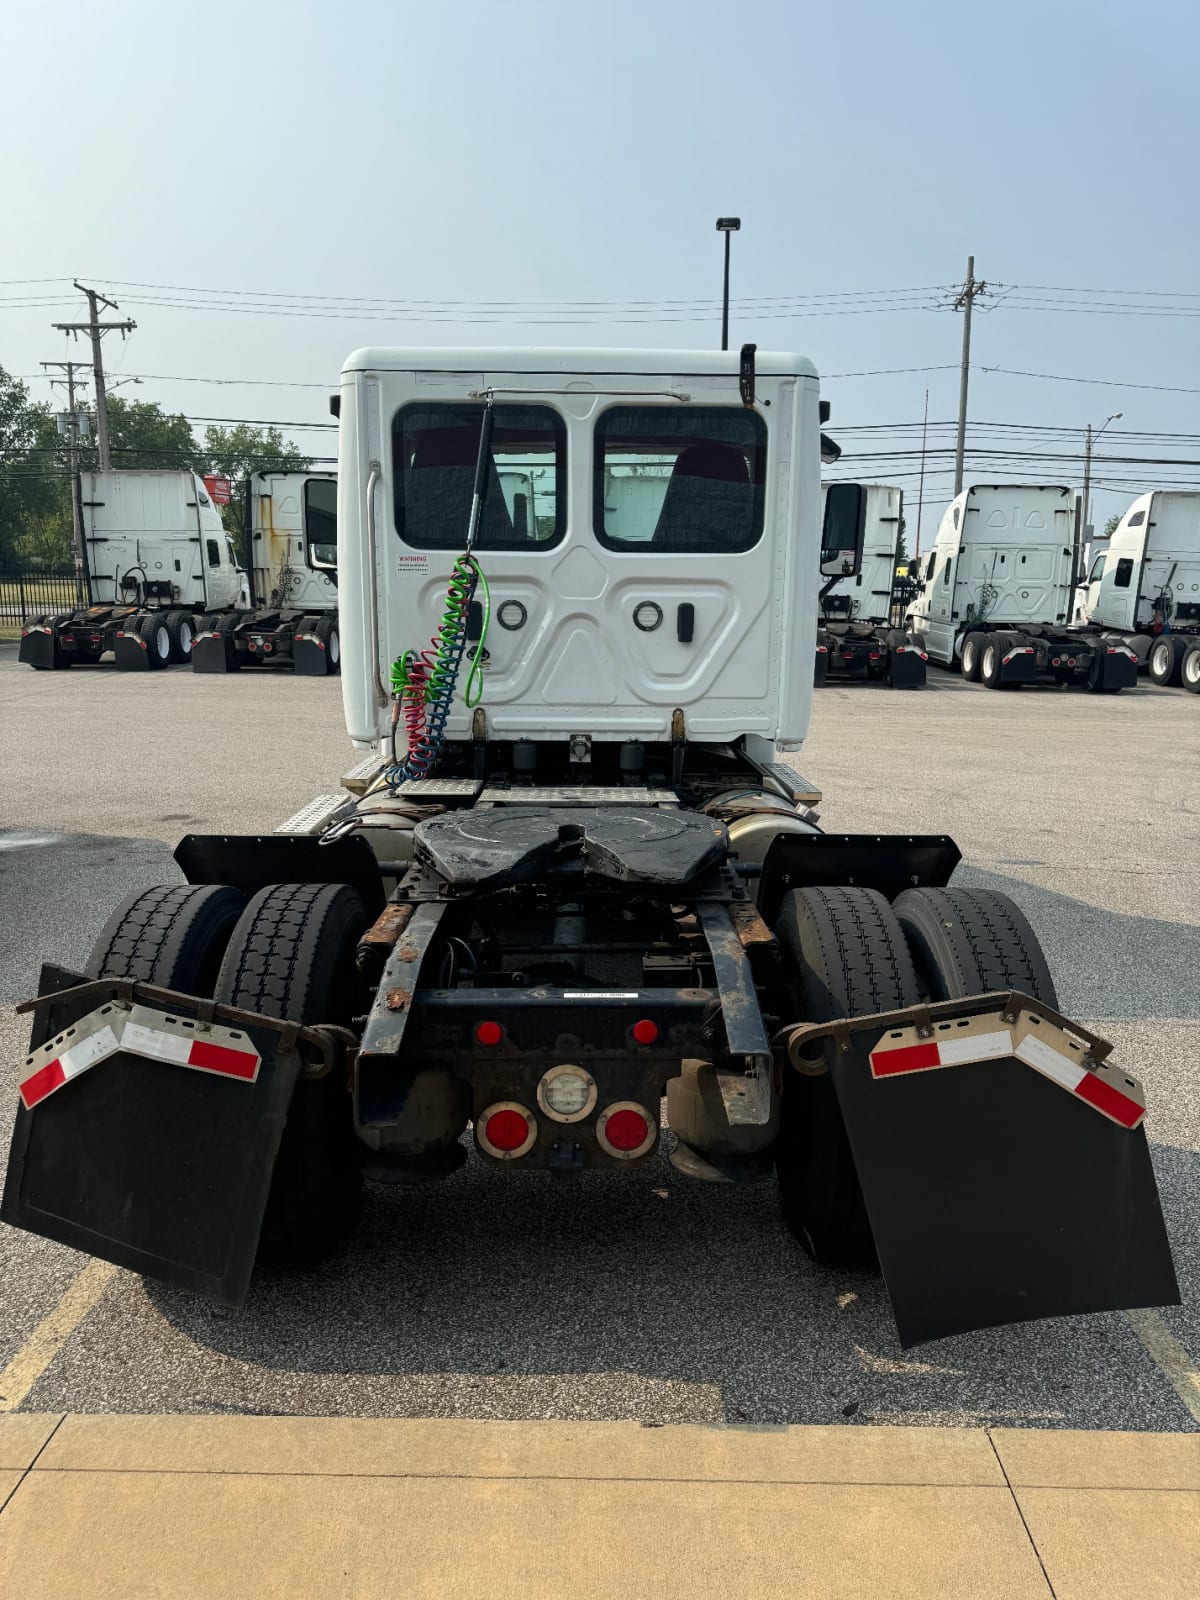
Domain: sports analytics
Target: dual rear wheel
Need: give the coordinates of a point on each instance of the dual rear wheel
(287, 952)
(847, 953)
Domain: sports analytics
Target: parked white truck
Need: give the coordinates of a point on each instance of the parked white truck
(1143, 589)
(156, 555)
(165, 584)
(291, 620)
(995, 593)
(585, 880)
(856, 625)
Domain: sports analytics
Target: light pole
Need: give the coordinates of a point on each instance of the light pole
(1083, 522)
(1087, 465)
(726, 225)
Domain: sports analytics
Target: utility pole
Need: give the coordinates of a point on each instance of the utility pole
(78, 551)
(921, 486)
(971, 291)
(1083, 522)
(726, 225)
(97, 330)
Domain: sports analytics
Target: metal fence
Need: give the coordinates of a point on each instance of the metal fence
(30, 592)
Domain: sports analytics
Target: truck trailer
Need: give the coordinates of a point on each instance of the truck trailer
(857, 630)
(578, 881)
(156, 556)
(1143, 589)
(995, 594)
(291, 621)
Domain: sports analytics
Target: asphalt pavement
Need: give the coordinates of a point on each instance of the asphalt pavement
(639, 1296)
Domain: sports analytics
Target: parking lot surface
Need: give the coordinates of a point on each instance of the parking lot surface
(645, 1296)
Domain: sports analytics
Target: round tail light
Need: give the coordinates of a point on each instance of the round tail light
(624, 1130)
(506, 1130)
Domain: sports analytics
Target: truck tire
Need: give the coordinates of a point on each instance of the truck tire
(991, 663)
(845, 955)
(153, 629)
(327, 631)
(972, 941)
(971, 658)
(181, 629)
(173, 936)
(1189, 672)
(1165, 661)
(292, 957)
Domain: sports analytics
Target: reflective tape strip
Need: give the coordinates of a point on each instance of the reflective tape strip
(1021, 650)
(941, 1053)
(69, 1063)
(142, 1032)
(904, 1052)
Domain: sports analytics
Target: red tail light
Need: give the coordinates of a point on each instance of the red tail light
(489, 1033)
(506, 1130)
(625, 1130)
(645, 1031)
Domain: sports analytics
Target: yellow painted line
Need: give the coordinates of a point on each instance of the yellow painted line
(1169, 1356)
(52, 1332)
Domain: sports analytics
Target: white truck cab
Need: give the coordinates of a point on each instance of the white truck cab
(155, 538)
(652, 566)
(292, 522)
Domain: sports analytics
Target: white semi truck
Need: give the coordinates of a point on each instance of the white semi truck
(291, 518)
(994, 594)
(165, 584)
(856, 625)
(156, 555)
(584, 879)
(1143, 589)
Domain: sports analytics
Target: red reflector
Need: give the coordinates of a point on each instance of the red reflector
(872, 655)
(626, 1130)
(822, 650)
(645, 1031)
(489, 1033)
(1056, 662)
(68, 638)
(1070, 661)
(506, 1130)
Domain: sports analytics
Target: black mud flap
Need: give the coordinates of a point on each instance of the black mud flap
(1118, 667)
(997, 1192)
(889, 862)
(310, 656)
(41, 648)
(214, 653)
(148, 1164)
(821, 667)
(131, 652)
(906, 669)
(1018, 664)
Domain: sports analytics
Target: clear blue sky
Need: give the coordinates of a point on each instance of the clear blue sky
(538, 152)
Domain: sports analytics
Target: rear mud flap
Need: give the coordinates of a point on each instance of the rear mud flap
(1000, 1187)
(131, 653)
(310, 657)
(1119, 668)
(906, 669)
(214, 652)
(39, 648)
(146, 1162)
(1018, 666)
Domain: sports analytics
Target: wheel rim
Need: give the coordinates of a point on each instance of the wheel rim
(162, 642)
(185, 638)
(989, 660)
(1191, 668)
(1160, 659)
(968, 656)
(335, 648)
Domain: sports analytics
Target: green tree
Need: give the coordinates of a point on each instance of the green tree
(143, 437)
(1110, 527)
(33, 495)
(901, 546)
(237, 452)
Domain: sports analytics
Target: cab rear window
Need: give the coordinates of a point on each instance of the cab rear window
(684, 480)
(434, 451)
